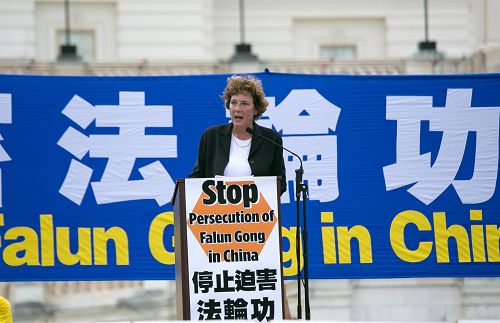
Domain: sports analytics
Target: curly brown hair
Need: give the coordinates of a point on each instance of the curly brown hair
(237, 84)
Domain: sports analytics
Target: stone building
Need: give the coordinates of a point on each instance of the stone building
(160, 37)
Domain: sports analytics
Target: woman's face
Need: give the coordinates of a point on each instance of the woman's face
(242, 110)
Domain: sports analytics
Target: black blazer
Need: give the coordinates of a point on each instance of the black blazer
(265, 159)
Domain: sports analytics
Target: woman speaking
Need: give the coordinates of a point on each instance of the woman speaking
(231, 150)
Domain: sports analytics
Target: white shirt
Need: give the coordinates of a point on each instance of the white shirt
(238, 158)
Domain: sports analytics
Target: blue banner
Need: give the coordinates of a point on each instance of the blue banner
(401, 172)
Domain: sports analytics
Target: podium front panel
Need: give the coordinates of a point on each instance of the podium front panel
(233, 248)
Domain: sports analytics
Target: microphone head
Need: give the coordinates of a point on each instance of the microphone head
(250, 130)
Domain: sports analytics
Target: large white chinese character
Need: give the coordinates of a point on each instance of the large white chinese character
(307, 121)
(455, 121)
(5, 118)
(131, 116)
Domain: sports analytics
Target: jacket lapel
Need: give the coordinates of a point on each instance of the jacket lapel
(256, 140)
(223, 146)
(225, 139)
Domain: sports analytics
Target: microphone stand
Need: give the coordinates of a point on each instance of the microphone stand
(306, 255)
(300, 189)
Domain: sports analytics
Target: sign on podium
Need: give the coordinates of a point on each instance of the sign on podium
(228, 248)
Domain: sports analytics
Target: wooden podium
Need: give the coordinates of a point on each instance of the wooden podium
(228, 260)
(181, 277)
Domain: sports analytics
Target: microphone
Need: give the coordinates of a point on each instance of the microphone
(299, 171)
(299, 187)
